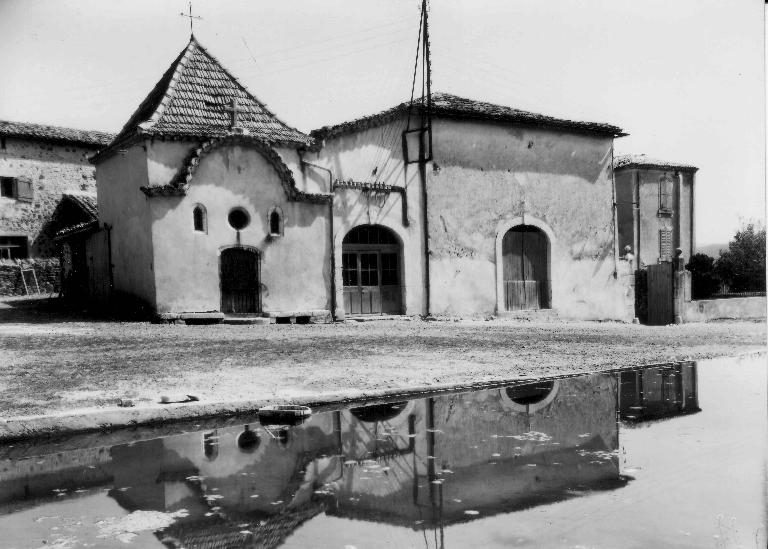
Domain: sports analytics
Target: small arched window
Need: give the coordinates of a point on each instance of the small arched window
(200, 219)
(275, 222)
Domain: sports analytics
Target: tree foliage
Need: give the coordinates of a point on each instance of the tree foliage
(741, 268)
(704, 279)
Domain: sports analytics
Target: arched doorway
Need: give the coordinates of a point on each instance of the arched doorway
(525, 253)
(239, 271)
(371, 271)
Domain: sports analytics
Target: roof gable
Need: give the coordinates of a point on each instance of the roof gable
(192, 99)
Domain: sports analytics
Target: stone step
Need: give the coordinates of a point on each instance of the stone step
(246, 320)
(534, 315)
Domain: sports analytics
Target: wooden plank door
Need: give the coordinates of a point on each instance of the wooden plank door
(370, 290)
(362, 278)
(350, 273)
(660, 294)
(239, 281)
(525, 269)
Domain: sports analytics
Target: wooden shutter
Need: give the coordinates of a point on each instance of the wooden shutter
(24, 190)
(665, 245)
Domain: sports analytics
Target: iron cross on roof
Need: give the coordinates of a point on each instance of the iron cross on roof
(191, 18)
(233, 109)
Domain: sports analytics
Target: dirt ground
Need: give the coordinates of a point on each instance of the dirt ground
(53, 361)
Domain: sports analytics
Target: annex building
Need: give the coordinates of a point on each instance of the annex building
(214, 206)
(40, 165)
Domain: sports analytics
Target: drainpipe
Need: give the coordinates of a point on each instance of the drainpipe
(693, 214)
(330, 224)
(678, 210)
(638, 217)
(615, 222)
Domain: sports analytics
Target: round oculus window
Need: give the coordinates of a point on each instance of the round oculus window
(238, 219)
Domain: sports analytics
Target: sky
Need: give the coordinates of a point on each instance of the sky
(685, 78)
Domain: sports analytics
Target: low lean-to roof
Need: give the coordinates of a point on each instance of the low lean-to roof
(55, 134)
(86, 204)
(85, 201)
(193, 100)
(642, 161)
(446, 105)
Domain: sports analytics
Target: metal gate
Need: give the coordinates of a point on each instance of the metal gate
(660, 294)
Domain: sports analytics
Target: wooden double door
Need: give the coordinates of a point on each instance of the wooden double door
(239, 271)
(371, 277)
(661, 294)
(525, 253)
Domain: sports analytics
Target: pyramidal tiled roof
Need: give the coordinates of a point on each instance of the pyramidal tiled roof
(193, 99)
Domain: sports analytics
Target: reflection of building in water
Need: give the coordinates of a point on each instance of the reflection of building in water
(658, 392)
(423, 464)
(495, 451)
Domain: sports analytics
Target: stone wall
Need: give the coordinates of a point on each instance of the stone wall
(52, 169)
(46, 270)
(703, 310)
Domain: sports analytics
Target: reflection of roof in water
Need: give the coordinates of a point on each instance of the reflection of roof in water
(218, 532)
(646, 420)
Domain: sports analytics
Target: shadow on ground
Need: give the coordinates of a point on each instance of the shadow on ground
(50, 310)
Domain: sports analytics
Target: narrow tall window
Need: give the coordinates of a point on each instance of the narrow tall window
(665, 194)
(275, 222)
(200, 219)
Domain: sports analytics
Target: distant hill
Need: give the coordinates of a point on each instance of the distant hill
(712, 250)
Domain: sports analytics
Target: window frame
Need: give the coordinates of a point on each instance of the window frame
(14, 181)
(6, 247)
(666, 194)
(276, 210)
(204, 219)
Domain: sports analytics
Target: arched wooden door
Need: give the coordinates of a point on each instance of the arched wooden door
(525, 252)
(371, 271)
(239, 271)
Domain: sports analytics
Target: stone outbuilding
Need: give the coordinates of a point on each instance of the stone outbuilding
(455, 206)
(38, 164)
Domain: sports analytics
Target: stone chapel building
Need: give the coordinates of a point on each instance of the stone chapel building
(214, 206)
